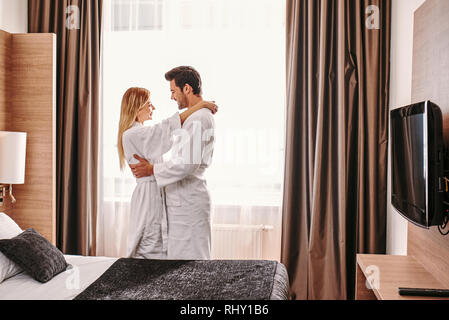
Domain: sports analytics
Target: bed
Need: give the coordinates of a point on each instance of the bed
(64, 286)
(102, 278)
(31, 268)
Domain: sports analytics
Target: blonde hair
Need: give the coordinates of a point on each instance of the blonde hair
(133, 100)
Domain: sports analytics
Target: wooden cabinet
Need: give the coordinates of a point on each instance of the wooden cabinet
(380, 276)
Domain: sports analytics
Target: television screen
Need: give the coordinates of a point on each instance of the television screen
(417, 164)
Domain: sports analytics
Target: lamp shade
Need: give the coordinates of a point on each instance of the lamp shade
(12, 157)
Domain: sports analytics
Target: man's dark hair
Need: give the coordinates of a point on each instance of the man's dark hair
(185, 75)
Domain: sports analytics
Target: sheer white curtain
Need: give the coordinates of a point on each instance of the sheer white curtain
(239, 49)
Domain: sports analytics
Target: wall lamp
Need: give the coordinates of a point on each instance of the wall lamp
(12, 162)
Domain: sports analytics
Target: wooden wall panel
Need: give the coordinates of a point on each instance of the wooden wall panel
(431, 58)
(431, 249)
(5, 50)
(5, 88)
(431, 82)
(32, 99)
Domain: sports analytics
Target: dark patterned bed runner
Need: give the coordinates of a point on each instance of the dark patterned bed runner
(138, 279)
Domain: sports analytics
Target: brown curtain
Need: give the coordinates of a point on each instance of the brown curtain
(77, 25)
(337, 139)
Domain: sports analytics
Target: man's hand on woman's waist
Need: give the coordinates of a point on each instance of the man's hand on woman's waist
(142, 169)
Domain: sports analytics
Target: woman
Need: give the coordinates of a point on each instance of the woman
(147, 231)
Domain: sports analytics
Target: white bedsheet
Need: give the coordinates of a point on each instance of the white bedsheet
(65, 286)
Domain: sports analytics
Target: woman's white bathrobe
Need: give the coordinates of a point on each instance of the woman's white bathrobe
(148, 230)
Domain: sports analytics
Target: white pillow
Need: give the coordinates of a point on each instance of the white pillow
(8, 230)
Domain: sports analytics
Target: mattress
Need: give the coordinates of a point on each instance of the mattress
(65, 286)
(85, 271)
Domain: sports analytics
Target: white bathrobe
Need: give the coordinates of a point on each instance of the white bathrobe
(187, 197)
(147, 231)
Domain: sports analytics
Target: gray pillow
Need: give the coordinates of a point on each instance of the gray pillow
(35, 255)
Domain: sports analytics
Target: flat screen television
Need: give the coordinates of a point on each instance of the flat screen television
(417, 163)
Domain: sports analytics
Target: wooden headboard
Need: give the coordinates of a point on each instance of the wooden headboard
(431, 82)
(28, 104)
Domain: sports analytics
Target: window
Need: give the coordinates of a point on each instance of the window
(238, 46)
(135, 15)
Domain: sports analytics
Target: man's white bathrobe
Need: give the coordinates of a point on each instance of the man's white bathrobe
(147, 231)
(187, 197)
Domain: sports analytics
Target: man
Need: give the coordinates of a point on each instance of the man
(187, 197)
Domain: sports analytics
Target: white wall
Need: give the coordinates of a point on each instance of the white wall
(14, 16)
(400, 95)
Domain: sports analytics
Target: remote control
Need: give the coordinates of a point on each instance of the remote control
(423, 292)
